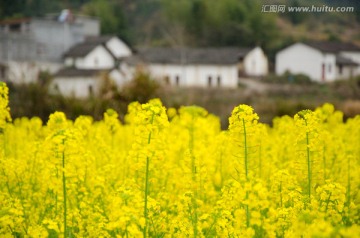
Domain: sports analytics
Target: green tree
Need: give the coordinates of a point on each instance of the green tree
(110, 13)
(141, 88)
(219, 23)
(296, 17)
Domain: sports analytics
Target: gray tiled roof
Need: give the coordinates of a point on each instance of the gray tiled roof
(227, 55)
(99, 39)
(73, 72)
(345, 61)
(84, 48)
(333, 47)
(81, 49)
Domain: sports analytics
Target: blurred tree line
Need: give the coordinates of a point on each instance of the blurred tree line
(185, 22)
(34, 99)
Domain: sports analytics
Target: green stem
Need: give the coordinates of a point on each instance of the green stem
(308, 163)
(247, 211)
(260, 162)
(327, 202)
(324, 164)
(246, 173)
(193, 170)
(348, 195)
(146, 193)
(64, 189)
(281, 197)
(245, 151)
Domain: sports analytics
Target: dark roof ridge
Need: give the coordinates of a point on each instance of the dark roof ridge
(192, 55)
(73, 72)
(332, 46)
(81, 49)
(99, 39)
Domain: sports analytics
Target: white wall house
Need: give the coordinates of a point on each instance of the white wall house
(321, 61)
(89, 56)
(256, 63)
(202, 67)
(88, 64)
(82, 83)
(31, 45)
(118, 48)
(28, 71)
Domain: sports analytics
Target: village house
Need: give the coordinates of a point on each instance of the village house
(31, 45)
(201, 67)
(321, 61)
(81, 61)
(88, 65)
(89, 62)
(82, 83)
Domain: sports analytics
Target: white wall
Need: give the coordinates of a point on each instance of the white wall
(118, 77)
(256, 63)
(330, 67)
(118, 47)
(75, 86)
(347, 72)
(69, 62)
(300, 58)
(354, 56)
(27, 72)
(90, 25)
(196, 75)
(127, 71)
(98, 58)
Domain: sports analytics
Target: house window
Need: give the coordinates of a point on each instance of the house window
(218, 81)
(96, 61)
(91, 90)
(2, 72)
(15, 28)
(167, 80)
(329, 68)
(209, 81)
(340, 69)
(177, 80)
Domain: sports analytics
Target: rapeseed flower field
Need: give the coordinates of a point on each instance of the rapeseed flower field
(175, 173)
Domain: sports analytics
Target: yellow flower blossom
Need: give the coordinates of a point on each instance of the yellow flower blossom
(180, 178)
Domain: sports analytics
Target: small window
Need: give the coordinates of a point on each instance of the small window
(15, 28)
(91, 90)
(209, 81)
(218, 81)
(167, 80)
(177, 80)
(2, 72)
(340, 69)
(96, 61)
(329, 68)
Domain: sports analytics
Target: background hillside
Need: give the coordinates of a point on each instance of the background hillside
(204, 22)
(199, 23)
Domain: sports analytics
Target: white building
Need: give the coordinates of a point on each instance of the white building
(89, 64)
(321, 61)
(82, 83)
(31, 45)
(203, 67)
